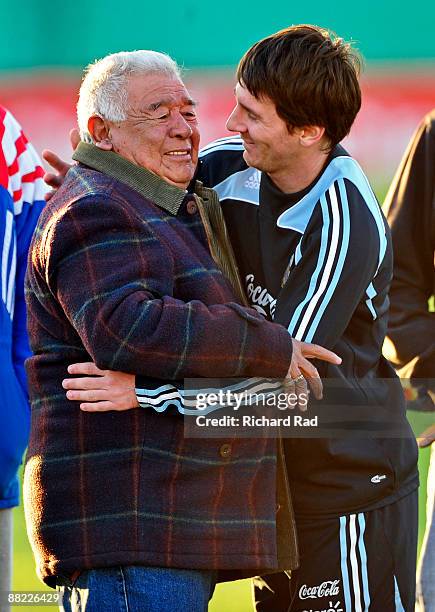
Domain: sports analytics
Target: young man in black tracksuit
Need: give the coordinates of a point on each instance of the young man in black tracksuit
(314, 252)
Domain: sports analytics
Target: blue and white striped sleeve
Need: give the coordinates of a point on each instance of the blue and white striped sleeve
(335, 265)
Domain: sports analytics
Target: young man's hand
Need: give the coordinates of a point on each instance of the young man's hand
(302, 374)
(100, 390)
(61, 167)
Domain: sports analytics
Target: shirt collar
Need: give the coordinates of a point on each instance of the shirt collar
(149, 185)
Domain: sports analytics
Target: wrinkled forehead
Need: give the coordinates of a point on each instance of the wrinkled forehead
(153, 90)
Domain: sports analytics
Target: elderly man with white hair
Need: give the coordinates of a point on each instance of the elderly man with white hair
(123, 511)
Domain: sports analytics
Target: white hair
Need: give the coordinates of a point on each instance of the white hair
(103, 91)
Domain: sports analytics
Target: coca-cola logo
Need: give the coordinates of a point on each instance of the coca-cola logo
(259, 297)
(325, 589)
(332, 608)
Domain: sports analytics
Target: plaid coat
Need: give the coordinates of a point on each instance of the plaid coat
(120, 273)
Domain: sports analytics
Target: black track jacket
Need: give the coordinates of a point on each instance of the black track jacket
(319, 262)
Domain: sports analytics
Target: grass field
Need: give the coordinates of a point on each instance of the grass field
(231, 597)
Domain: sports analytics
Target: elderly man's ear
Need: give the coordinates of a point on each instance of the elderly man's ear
(99, 131)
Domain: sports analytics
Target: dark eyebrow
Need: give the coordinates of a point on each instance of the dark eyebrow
(247, 109)
(167, 102)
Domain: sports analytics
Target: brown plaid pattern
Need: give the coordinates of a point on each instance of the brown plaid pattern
(120, 272)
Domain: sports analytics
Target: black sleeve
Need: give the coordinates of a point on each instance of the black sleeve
(410, 212)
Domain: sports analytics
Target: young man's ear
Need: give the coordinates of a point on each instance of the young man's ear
(99, 131)
(311, 135)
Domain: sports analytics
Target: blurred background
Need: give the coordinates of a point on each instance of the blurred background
(45, 46)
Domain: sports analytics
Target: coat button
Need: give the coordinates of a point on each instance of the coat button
(225, 451)
(192, 208)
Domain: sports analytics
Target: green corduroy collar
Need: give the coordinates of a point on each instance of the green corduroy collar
(148, 184)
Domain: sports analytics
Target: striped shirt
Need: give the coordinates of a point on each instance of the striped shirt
(21, 200)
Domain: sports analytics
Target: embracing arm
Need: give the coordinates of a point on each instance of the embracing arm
(138, 327)
(114, 282)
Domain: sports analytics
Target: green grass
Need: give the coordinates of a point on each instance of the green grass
(231, 597)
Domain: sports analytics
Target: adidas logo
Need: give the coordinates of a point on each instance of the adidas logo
(253, 182)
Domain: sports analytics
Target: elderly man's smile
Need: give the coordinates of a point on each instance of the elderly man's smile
(180, 155)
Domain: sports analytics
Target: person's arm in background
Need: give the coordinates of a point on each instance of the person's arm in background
(410, 209)
(29, 201)
(410, 345)
(22, 198)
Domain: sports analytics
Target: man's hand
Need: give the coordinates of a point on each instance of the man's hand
(301, 371)
(55, 180)
(100, 390)
(427, 437)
